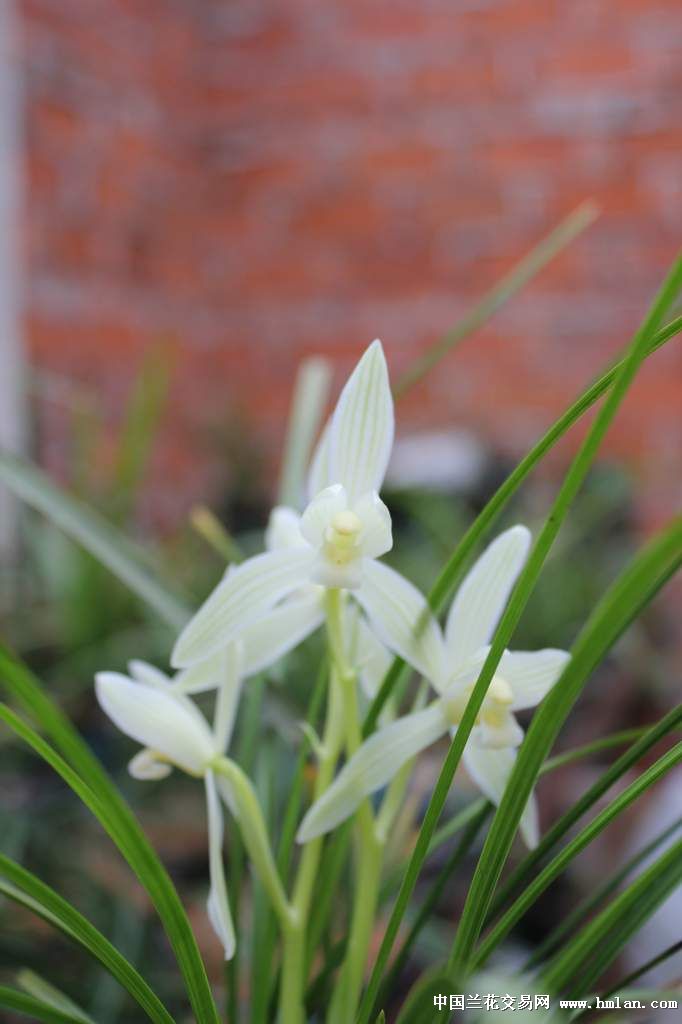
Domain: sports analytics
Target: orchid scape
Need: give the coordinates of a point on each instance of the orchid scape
(332, 895)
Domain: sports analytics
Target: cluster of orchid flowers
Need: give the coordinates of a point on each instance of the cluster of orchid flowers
(267, 605)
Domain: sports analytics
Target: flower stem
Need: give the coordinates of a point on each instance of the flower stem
(291, 1009)
(369, 847)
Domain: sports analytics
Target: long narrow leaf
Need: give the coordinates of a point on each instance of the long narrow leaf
(591, 952)
(89, 529)
(35, 1009)
(572, 849)
(446, 831)
(596, 898)
(43, 990)
(25, 888)
(672, 950)
(488, 869)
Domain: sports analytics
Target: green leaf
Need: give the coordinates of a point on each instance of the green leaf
(103, 799)
(489, 866)
(36, 1009)
(447, 581)
(591, 952)
(23, 887)
(572, 849)
(124, 559)
(310, 396)
(49, 994)
(517, 278)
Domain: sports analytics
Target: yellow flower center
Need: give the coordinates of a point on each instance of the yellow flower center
(494, 709)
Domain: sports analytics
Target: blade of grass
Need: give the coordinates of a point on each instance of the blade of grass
(559, 863)
(39, 988)
(117, 820)
(671, 722)
(89, 529)
(310, 396)
(578, 753)
(445, 585)
(596, 899)
(517, 278)
(660, 958)
(24, 888)
(517, 602)
(615, 739)
(594, 948)
(36, 1009)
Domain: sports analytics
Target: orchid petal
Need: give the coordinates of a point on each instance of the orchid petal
(532, 674)
(218, 905)
(318, 476)
(490, 770)
(263, 642)
(283, 529)
(361, 432)
(507, 733)
(147, 767)
(376, 537)
(373, 660)
(282, 629)
(481, 598)
(402, 619)
(373, 766)
(227, 697)
(156, 719)
(239, 600)
(150, 675)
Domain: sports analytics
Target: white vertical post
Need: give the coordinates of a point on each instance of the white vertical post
(12, 394)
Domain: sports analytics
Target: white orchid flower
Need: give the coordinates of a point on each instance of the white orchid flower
(336, 540)
(452, 664)
(147, 707)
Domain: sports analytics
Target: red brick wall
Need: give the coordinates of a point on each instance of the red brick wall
(254, 181)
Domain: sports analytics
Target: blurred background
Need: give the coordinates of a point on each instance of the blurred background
(196, 196)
